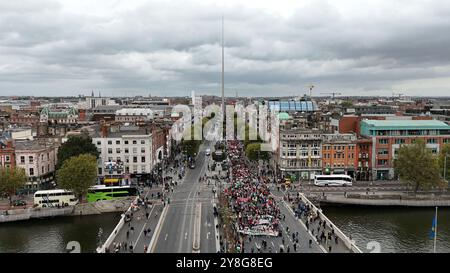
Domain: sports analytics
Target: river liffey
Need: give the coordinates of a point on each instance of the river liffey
(53, 235)
(396, 230)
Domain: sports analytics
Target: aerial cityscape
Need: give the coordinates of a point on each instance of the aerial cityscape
(224, 127)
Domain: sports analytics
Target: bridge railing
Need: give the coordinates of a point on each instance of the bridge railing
(116, 230)
(348, 243)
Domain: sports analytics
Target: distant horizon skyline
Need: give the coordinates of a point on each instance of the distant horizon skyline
(218, 96)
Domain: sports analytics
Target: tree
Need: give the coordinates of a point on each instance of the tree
(417, 165)
(347, 104)
(253, 152)
(74, 146)
(188, 143)
(445, 151)
(11, 179)
(77, 174)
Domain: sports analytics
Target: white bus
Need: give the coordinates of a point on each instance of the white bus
(333, 180)
(53, 198)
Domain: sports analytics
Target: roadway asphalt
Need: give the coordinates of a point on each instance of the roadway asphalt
(176, 234)
(135, 232)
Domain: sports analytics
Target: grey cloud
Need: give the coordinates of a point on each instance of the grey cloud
(176, 47)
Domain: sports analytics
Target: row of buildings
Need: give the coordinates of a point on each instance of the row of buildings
(361, 144)
(131, 144)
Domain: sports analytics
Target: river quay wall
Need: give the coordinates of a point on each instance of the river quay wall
(77, 210)
(386, 200)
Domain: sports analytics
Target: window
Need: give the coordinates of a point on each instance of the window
(142, 142)
(127, 151)
(43, 169)
(143, 159)
(399, 141)
(109, 142)
(22, 160)
(117, 150)
(126, 142)
(383, 152)
(383, 141)
(7, 158)
(134, 141)
(143, 150)
(431, 141)
(382, 162)
(110, 150)
(118, 142)
(446, 140)
(134, 159)
(31, 171)
(134, 150)
(30, 159)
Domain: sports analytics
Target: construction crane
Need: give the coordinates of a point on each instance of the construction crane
(310, 89)
(332, 93)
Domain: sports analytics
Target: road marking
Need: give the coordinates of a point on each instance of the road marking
(145, 224)
(185, 236)
(158, 228)
(207, 235)
(165, 239)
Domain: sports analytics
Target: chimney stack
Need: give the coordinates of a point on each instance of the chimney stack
(104, 129)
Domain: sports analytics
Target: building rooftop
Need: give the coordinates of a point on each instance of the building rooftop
(33, 145)
(299, 106)
(405, 124)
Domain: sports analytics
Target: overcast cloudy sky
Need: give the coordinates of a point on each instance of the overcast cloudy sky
(141, 47)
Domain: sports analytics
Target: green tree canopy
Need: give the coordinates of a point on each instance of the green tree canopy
(74, 146)
(416, 164)
(11, 179)
(188, 144)
(253, 152)
(347, 104)
(77, 174)
(445, 151)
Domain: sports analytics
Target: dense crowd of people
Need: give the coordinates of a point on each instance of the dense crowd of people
(249, 195)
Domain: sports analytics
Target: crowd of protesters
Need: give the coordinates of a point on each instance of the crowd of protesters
(249, 196)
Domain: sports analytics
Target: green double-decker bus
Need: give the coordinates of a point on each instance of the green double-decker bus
(102, 192)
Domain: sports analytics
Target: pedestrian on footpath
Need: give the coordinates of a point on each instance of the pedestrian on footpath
(310, 243)
(145, 233)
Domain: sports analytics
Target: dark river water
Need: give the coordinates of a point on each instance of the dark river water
(395, 229)
(52, 235)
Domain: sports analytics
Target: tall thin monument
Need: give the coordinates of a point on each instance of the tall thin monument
(223, 71)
